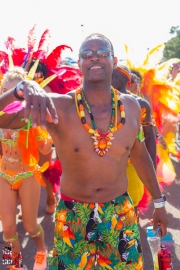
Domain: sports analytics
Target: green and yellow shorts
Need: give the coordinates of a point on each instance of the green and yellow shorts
(90, 234)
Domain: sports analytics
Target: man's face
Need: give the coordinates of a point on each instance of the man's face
(38, 75)
(118, 79)
(97, 68)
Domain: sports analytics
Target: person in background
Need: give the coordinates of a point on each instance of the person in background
(135, 88)
(53, 185)
(20, 177)
(121, 78)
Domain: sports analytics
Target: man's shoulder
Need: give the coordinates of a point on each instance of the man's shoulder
(130, 100)
(62, 101)
(143, 103)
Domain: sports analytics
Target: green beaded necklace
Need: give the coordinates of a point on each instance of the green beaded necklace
(111, 125)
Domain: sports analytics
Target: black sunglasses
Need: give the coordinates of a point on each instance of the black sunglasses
(88, 54)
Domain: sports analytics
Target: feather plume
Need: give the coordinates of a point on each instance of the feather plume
(2, 61)
(18, 56)
(11, 64)
(14, 107)
(144, 202)
(5, 62)
(32, 71)
(52, 77)
(54, 58)
(2, 56)
(53, 174)
(10, 43)
(154, 56)
(65, 82)
(129, 56)
(165, 169)
(43, 46)
(44, 41)
(31, 43)
(31, 38)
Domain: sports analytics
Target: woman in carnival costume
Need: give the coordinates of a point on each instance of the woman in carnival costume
(135, 88)
(62, 84)
(20, 176)
(19, 167)
(163, 95)
(46, 65)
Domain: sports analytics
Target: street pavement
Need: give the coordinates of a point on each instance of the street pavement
(47, 222)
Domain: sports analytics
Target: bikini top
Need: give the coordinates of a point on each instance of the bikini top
(9, 136)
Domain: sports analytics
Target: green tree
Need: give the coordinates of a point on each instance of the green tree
(173, 29)
(172, 47)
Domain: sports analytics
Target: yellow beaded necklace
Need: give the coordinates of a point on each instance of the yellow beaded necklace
(102, 142)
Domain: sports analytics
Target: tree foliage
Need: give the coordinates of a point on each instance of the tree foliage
(172, 47)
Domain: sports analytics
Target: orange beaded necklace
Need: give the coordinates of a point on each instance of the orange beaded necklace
(102, 142)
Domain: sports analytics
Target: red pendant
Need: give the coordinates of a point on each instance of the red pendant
(102, 142)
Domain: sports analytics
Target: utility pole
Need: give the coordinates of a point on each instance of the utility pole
(82, 28)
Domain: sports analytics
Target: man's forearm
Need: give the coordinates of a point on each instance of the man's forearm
(7, 98)
(145, 170)
(150, 143)
(151, 148)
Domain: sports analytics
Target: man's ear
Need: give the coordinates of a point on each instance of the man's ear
(115, 62)
(79, 64)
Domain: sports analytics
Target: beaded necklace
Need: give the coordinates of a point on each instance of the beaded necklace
(102, 142)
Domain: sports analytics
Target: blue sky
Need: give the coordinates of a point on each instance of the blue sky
(141, 24)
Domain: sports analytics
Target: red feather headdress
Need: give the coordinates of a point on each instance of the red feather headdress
(62, 84)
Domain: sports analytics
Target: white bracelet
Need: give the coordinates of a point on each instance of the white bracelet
(159, 204)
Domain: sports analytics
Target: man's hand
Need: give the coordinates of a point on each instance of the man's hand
(38, 104)
(160, 218)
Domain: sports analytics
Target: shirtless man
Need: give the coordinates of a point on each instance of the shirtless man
(95, 209)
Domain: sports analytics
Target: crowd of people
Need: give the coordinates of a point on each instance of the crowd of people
(112, 138)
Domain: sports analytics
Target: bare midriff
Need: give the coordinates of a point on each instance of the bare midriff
(12, 159)
(103, 183)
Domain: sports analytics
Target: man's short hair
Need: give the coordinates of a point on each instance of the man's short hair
(97, 36)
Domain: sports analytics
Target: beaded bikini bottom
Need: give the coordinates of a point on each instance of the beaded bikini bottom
(14, 178)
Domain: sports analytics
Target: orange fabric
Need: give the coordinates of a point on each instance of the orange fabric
(38, 173)
(11, 173)
(143, 114)
(16, 185)
(30, 155)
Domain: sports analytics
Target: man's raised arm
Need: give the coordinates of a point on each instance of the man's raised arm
(38, 105)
